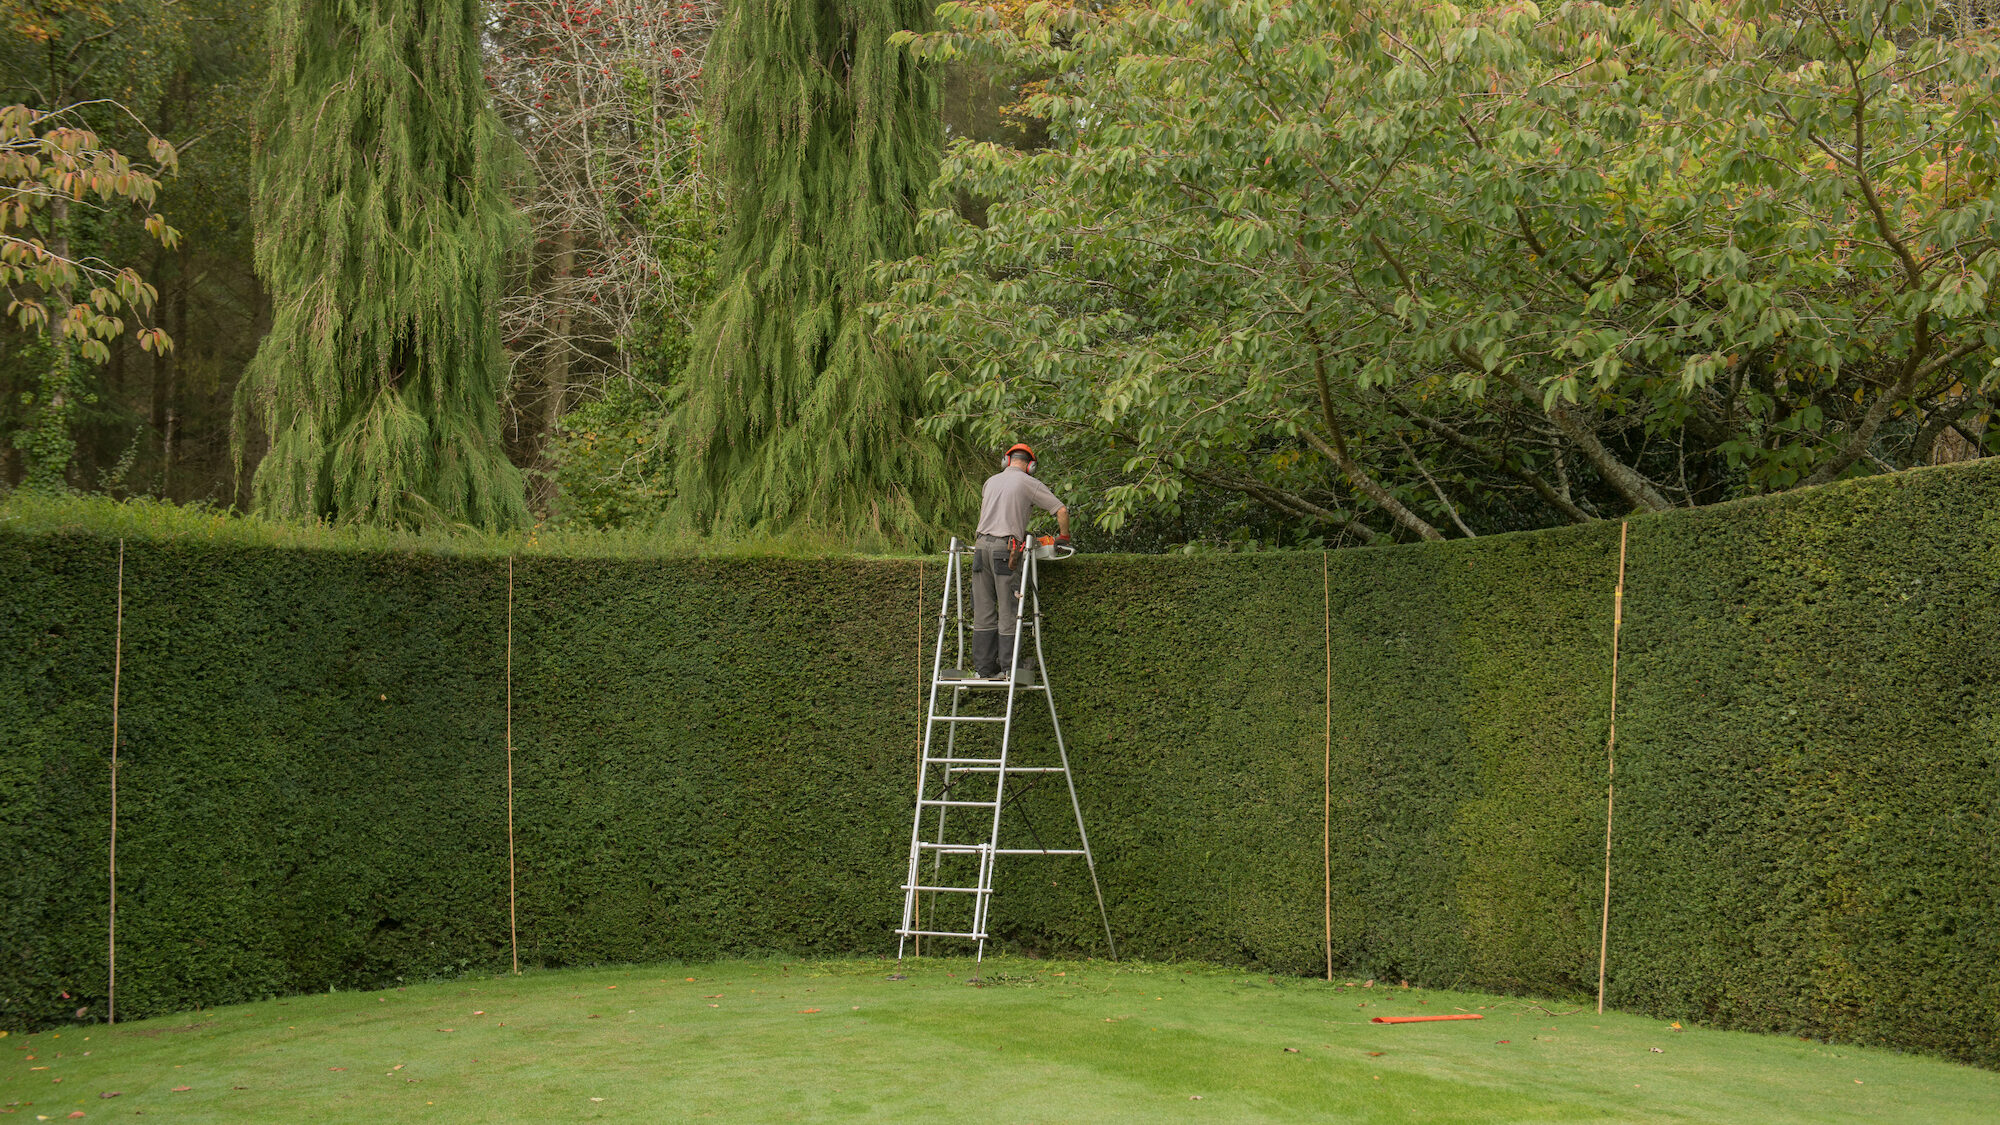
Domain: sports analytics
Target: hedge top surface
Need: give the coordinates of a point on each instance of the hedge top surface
(145, 519)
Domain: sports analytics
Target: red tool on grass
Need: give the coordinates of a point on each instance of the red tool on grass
(1421, 1019)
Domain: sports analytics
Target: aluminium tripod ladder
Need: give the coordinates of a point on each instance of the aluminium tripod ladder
(975, 780)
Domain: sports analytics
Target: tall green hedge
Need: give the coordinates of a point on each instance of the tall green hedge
(717, 756)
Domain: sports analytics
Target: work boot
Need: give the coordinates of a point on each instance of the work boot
(986, 653)
(1024, 666)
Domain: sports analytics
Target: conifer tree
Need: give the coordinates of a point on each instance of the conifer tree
(382, 217)
(797, 419)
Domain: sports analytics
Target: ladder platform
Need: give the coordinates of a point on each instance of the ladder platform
(934, 803)
(1007, 769)
(981, 849)
(941, 933)
(951, 890)
(968, 718)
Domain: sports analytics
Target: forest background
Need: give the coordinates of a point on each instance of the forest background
(1251, 274)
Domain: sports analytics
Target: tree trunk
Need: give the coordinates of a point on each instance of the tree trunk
(177, 314)
(56, 449)
(555, 376)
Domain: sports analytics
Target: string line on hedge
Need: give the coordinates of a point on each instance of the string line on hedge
(513, 928)
(1611, 766)
(1326, 806)
(111, 927)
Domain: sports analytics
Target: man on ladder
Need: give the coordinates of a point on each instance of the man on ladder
(1005, 504)
(964, 770)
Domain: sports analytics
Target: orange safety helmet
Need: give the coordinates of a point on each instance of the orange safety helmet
(1020, 447)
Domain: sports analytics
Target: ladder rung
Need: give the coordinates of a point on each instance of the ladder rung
(960, 890)
(1011, 769)
(990, 683)
(963, 761)
(959, 804)
(940, 933)
(968, 718)
(953, 849)
(1038, 851)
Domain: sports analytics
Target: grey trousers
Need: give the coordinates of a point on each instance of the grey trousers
(992, 588)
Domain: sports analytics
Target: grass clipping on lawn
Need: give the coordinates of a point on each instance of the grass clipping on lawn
(946, 1039)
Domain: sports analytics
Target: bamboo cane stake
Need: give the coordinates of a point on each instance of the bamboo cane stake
(513, 926)
(1611, 767)
(111, 929)
(917, 900)
(1326, 805)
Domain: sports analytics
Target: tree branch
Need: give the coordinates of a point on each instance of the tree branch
(1523, 474)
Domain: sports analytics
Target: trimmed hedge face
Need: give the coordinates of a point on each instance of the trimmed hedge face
(716, 757)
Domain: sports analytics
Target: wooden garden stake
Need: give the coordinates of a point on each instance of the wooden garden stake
(111, 932)
(1326, 806)
(1611, 766)
(923, 704)
(513, 928)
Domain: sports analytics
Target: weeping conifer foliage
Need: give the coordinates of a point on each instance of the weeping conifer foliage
(797, 419)
(381, 220)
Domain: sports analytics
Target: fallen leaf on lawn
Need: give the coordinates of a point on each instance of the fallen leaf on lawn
(336, 1068)
(1194, 1097)
(182, 1089)
(597, 1099)
(1503, 1042)
(807, 1011)
(76, 1114)
(1656, 1050)
(1675, 1025)
(1291, 1050)
(591, 1017)
(239, 1087)
(447, 1029)
(715, 1005)
(690, 980)
(109, 1094)
(400, 1066)
(479, 1013)
(717, 996)
(1857, 1082)
(608, 988)
(899, 976)
(1374, 1054)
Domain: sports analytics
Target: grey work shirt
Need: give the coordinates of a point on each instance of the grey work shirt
(1004, 503)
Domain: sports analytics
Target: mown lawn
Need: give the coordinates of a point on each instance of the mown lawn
(1006, 1041)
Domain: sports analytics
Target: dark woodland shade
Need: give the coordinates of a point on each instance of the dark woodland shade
(716, 757)
(796, 418)
(381, 220)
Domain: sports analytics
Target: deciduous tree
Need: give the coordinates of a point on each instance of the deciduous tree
(1406, 269)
